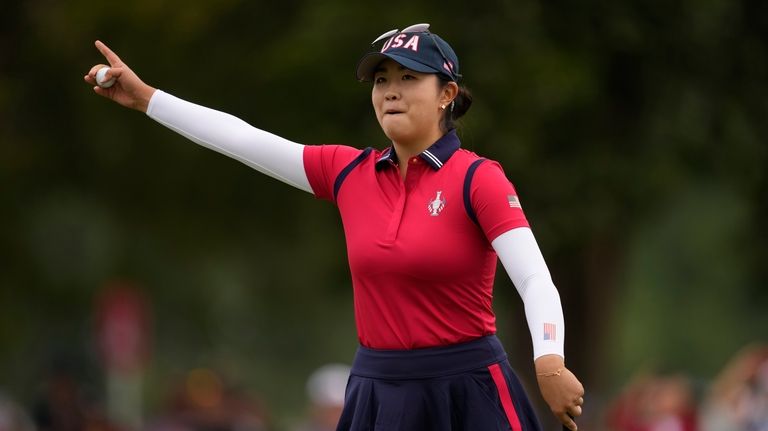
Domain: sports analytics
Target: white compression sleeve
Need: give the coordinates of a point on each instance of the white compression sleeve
(519, 253)
(267, 153)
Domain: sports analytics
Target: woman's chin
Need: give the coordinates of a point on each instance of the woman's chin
(395, 129)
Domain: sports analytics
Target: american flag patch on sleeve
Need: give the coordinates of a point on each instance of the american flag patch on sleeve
(550, 332)
(514, 202)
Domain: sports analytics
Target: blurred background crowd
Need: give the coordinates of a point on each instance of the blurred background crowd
(203, 400)
(147, 283)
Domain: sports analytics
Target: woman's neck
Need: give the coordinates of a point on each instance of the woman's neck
(405, 149)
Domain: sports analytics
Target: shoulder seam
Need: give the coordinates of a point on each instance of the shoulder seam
(468, 188)
(347, 169)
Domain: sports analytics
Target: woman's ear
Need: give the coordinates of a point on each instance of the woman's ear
(449, 92)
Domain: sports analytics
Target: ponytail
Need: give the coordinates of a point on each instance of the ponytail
(458, 107)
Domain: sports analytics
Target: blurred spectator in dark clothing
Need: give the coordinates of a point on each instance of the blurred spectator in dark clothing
(61, 406)
(204, 402)
(738, 398)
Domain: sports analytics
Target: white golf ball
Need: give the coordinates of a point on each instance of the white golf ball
(100, 76)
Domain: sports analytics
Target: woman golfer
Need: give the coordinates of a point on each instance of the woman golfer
(425, 221)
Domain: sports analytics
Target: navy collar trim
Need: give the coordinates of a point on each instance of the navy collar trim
(435, 156)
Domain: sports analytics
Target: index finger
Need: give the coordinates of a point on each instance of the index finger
(111, 57)
(568, 423)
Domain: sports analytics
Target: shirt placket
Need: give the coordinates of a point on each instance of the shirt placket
(406, 186)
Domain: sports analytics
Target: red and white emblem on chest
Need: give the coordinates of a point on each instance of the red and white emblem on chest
(436, 205)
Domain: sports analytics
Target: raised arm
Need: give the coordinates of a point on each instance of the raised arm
(270, 154)
(519, 253)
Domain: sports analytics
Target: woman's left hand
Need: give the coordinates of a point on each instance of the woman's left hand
(560, 388)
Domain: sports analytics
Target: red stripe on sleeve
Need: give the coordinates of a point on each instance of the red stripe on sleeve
(506, 398)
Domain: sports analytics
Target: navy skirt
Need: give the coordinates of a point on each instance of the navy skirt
(467, 386)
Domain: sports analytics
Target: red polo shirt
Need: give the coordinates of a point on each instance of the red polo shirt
(422, 270)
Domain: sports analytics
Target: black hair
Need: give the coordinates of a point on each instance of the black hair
(457, 108)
